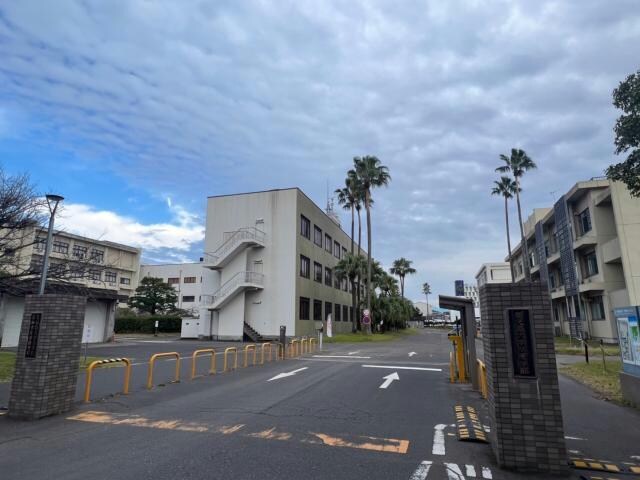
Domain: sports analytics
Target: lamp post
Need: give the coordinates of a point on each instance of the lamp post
(52, 203)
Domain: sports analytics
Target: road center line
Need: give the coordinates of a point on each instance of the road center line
(339, 356)
(404, 368)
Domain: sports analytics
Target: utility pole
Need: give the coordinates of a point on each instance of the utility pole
(51, 200)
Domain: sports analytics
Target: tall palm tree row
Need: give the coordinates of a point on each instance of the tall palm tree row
(518, 163)
(402, 267)
(351, 267)
(426, 289)
(506, 187)
(371, 174)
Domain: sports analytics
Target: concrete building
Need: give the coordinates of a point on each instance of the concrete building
(273, 254)
(425, 308)
(587, 249)
(497, 272)
(106, 272)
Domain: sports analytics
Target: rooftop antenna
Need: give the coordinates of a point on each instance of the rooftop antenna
(553, 194)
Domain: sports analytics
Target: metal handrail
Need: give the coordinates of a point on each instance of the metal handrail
(251, 233)
(228, 286)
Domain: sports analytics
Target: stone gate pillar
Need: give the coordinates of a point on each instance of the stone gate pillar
(46, 370)
(524, 398)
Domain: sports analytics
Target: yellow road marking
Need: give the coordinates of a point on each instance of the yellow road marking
(392, 445)
(104, 417)
(271, 434)
(230, 430)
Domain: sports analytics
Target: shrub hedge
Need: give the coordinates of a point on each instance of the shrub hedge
(146, 324)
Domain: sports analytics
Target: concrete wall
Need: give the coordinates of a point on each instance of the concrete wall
(627, 220)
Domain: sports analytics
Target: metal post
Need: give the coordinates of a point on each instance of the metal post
(55, 199)
(283, 340)
(586, 351)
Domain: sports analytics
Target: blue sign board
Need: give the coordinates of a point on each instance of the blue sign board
(629, 338)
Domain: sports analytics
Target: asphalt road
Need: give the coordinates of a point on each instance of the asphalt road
(328, 420)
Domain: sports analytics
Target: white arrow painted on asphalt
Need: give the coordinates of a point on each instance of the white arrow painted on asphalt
(287, 374)
(353, 353)
(389, 378)
(411, 354)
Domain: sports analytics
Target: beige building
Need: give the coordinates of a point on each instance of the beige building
(587, 249)
(497, 272)
(273, 254)
(106, 272)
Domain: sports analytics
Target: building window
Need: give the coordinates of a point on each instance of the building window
(77, 273)
(40, 244)
(591, 264)
(95, 275)
(317, 272)
(305, 266)
(584, 221)
(338, 312)
(552, 280)
(346, 285)
(97, 256)
(173, 280)
(336, 282)
(345, 313)
(189, 280)
(327, 242)
(317, 310)
(110, 277)
(597, 308)
(305, 227)
(57, 269)
(61, 247)
(304, 308)
(317, 235)
(336, 249)
(125, 281)
(188, 298)
(328, 307)
(79, 251)
(344, 253)
(328, 274)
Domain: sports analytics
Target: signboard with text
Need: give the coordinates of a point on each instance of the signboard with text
(629, 338)
(521, 336)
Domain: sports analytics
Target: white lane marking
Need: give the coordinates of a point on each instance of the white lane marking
(635, 457)
(573, 438)
(438, 439)
(486, 472)
(389, 379)
(470, 470)
(453, 471)
(411, 354)
(287, 374)
(353, 353)
(422, 471)
(404, 368)
(338, 356)
(574, 452)
(487, 428)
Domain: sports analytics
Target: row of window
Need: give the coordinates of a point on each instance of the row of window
(79, 251)
(330, 245)
(339, 313)
(78, 272)
(176, 280)
(330, 280)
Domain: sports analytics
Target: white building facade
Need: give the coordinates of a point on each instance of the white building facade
(497, 272)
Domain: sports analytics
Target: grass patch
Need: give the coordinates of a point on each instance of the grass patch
(8, 361)
(360, 337)
(563, 346)
(591, 374)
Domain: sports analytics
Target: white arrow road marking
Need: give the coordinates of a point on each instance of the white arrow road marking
(573, 438)
(353, 353)
(486, 472)
(287, 374)
(422, 471)
(389, 378)
(470, 470)
(438, 439)
(404, 368)
(338, 356)
(453, 471)
(411, 354)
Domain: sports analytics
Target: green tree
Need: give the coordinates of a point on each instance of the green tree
(506, 187)
(627, 130)
(402, 267)
(371, 174)
(518, 163)
(153, 296)
(351, 267)
(426, 289)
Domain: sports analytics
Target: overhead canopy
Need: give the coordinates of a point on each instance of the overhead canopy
(454, 303)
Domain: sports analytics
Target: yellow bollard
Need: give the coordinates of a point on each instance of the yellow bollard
(212, 370)
(246, 351)
(93, 365)
(226, 351)
(312, 345)
(304, 343)
(152, 361)
(452, 369)
(265, 345)
(295, 344)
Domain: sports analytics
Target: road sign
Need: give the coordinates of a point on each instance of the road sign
(366, 316)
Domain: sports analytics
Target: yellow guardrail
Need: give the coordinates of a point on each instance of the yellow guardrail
(313, 344)
(281, 349)
(97, 363)
(482, 379)
(152, 362)
(212, 369)
(226, 351)
(246, 354)
(304, 343)
(265, 345)
(295, 347)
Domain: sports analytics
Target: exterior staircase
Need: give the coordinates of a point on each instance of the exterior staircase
(252, 334)
(239, 282)
(237, 241)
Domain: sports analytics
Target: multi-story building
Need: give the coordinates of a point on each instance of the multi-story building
(497, 272)
(106, 272)
(587, 249)
(273, 254)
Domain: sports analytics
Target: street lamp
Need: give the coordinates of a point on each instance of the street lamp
(52, 203)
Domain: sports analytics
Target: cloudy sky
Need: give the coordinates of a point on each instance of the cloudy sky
(137, 110)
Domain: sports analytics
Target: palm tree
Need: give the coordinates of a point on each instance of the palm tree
(426, 289)
(351, 267)
(518, 164)
(388, 285)
(348, 201)
(506, 187)
(402, 267)
(371, 174)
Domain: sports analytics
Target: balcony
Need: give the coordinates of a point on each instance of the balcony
(557, 292)
(586, 240)
(240, 282)
(238, 241)
(591, 284)
(611, 252)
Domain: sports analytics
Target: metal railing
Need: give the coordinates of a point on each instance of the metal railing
(247, 233)
(231, 284)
